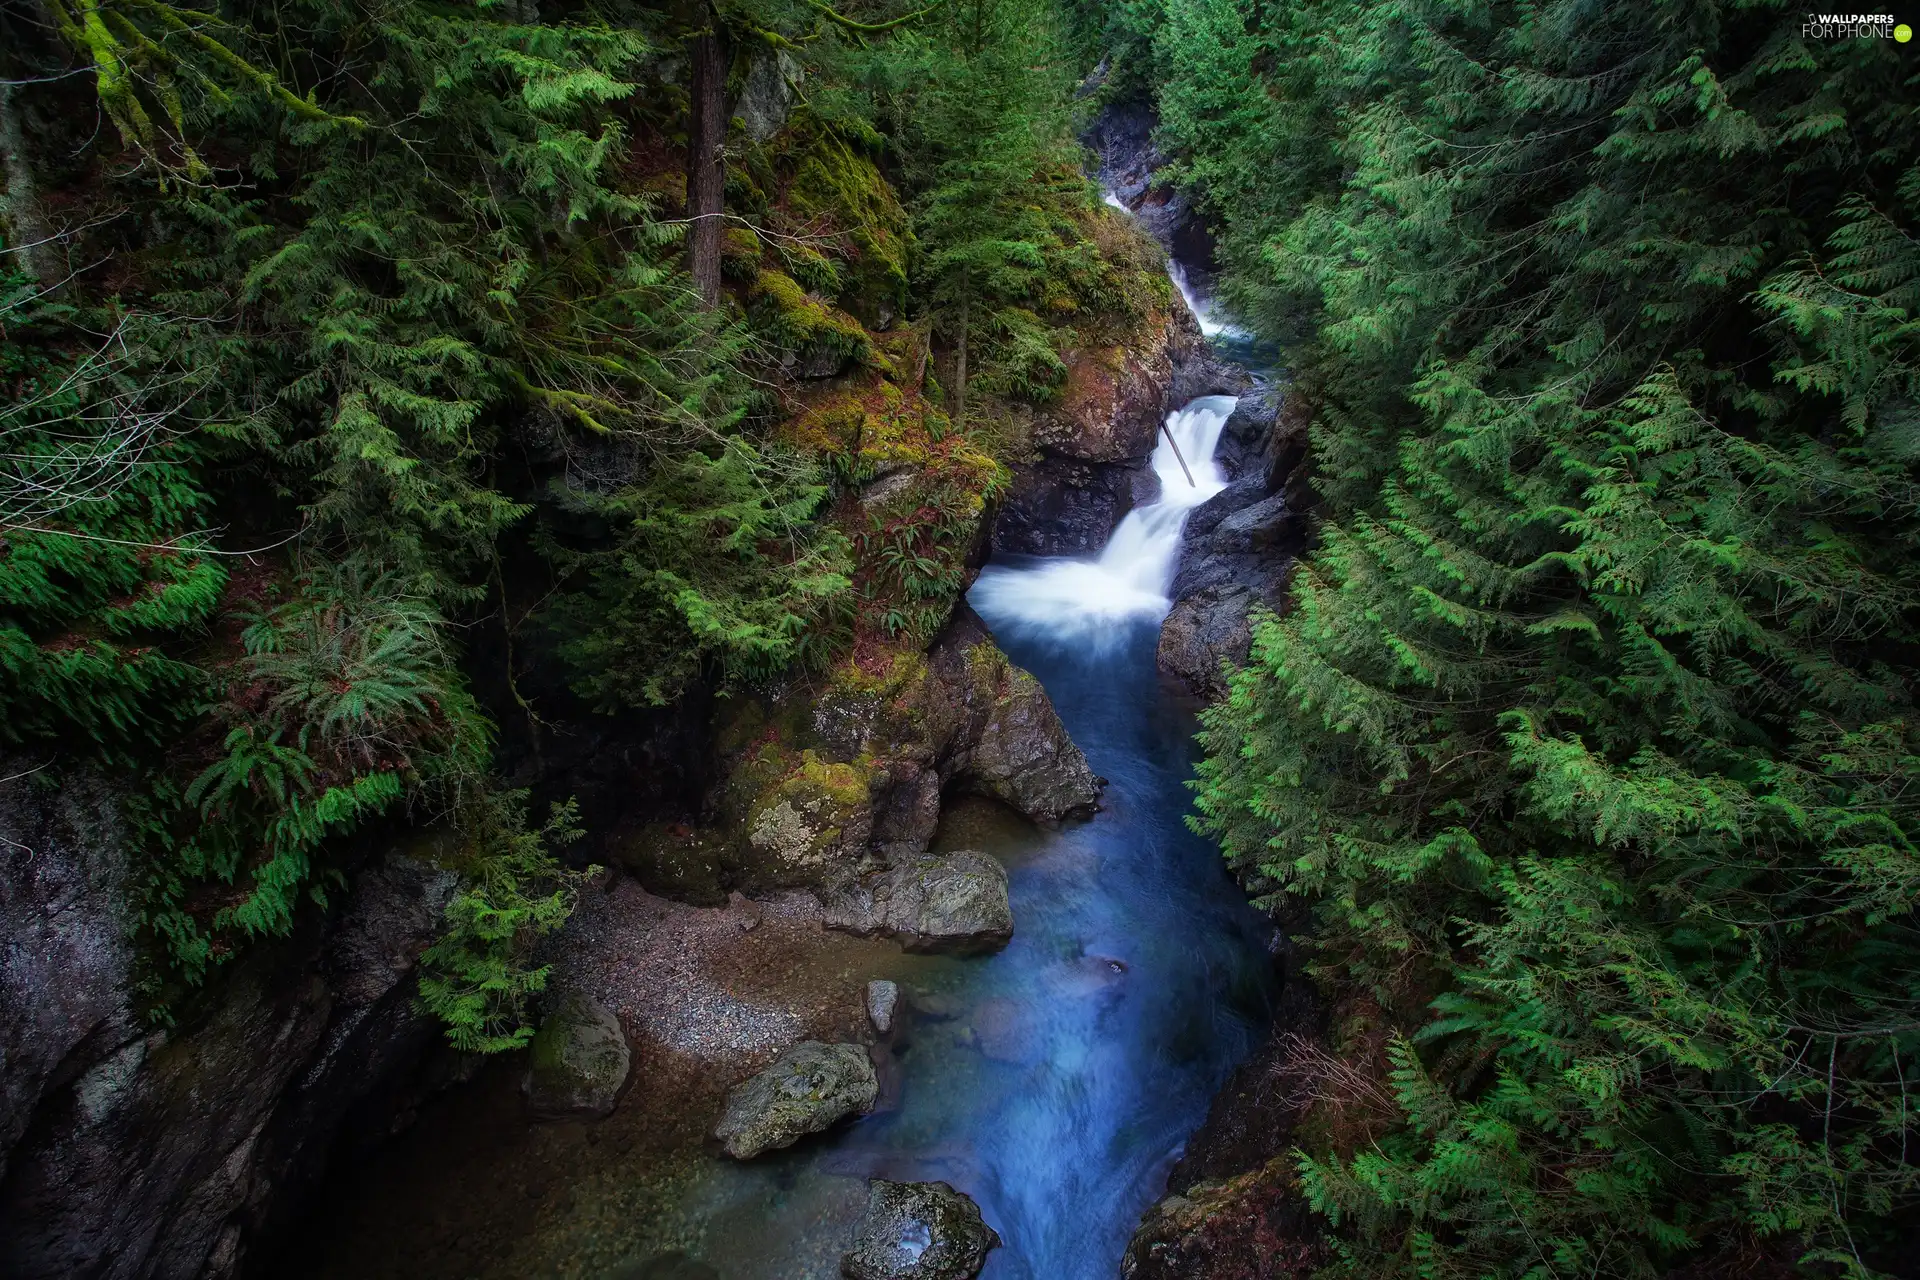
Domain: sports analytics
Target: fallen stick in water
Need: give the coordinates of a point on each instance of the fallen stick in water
(1165, 430)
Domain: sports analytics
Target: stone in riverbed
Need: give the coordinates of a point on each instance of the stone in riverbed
(807, 1089)
(578, 1060)
(882, 996)
(918, 1231)
(953, 902)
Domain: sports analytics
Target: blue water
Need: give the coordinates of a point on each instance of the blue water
(1136, 980)
(1055, 1082)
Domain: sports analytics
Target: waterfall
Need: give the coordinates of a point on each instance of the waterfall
(1089, 602)
(1201, 308)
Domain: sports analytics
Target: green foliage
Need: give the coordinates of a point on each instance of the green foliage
(478, 978)
(1592, 711)
(716, 558)
(344, 703)
(101, 512)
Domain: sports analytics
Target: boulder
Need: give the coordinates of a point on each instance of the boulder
(1019, 753)
(808, 1088)
(882, 998)
(918, 1231)
(826, 779)
(1203, 633)
(954, 902)
(578, 1061)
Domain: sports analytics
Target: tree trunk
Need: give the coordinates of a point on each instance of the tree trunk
(706, 170)
(29, 240)
(960, 358)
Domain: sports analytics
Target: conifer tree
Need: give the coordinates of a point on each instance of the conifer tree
(1587, 729)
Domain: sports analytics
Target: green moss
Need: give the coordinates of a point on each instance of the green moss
(802, 323)
(839, 189)
(810, 820)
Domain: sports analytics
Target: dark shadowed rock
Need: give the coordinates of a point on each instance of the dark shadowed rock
(918, 1231)
(135, 1151)
(808, 1089)
(578, 1061)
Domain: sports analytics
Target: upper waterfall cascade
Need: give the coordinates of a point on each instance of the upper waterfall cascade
(1089, 601)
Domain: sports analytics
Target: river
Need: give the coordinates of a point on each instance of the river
(1055, 1082)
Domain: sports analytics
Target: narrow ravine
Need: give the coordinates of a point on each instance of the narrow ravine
(1055, 1082)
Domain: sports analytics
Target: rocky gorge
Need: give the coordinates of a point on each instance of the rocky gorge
(803, 838)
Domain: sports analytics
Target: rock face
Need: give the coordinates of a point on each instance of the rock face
(578, 1061)
(135, 1151)
(1239, 547)
(918, 1231)
(826, 781)
(1121, 138)
(1092, 446)
(807, 1089)
(953, 902)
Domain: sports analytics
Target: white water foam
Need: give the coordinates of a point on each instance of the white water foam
(1090, 602)
(1201, 308)
(1202, 311)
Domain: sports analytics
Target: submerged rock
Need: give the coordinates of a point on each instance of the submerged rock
(806, 1090)
(579, 1060)
(918, 1231)
(882, 998)
(934, 902)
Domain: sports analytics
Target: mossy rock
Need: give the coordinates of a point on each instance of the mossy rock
(811, 827)
(674, 860)
(577, 1062)
(825, 338)
(808, 1089)
(836, 183)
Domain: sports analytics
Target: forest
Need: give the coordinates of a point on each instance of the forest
(403, 400)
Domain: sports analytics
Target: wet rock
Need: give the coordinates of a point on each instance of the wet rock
(138, 1152)
(1239, 549)
(578, 1060)
(950, 902)
(882, 998)
(808, 1088)
(1065, 507)
(918, 1231)
(1204, 634)
(1020, 753)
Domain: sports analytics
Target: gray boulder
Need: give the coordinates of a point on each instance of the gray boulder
(882, 998)
(918, 1231)
(955, 902)
(578, 1060)
(806, 1090)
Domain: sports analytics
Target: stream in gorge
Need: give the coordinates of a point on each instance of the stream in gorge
(1054, 1082)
